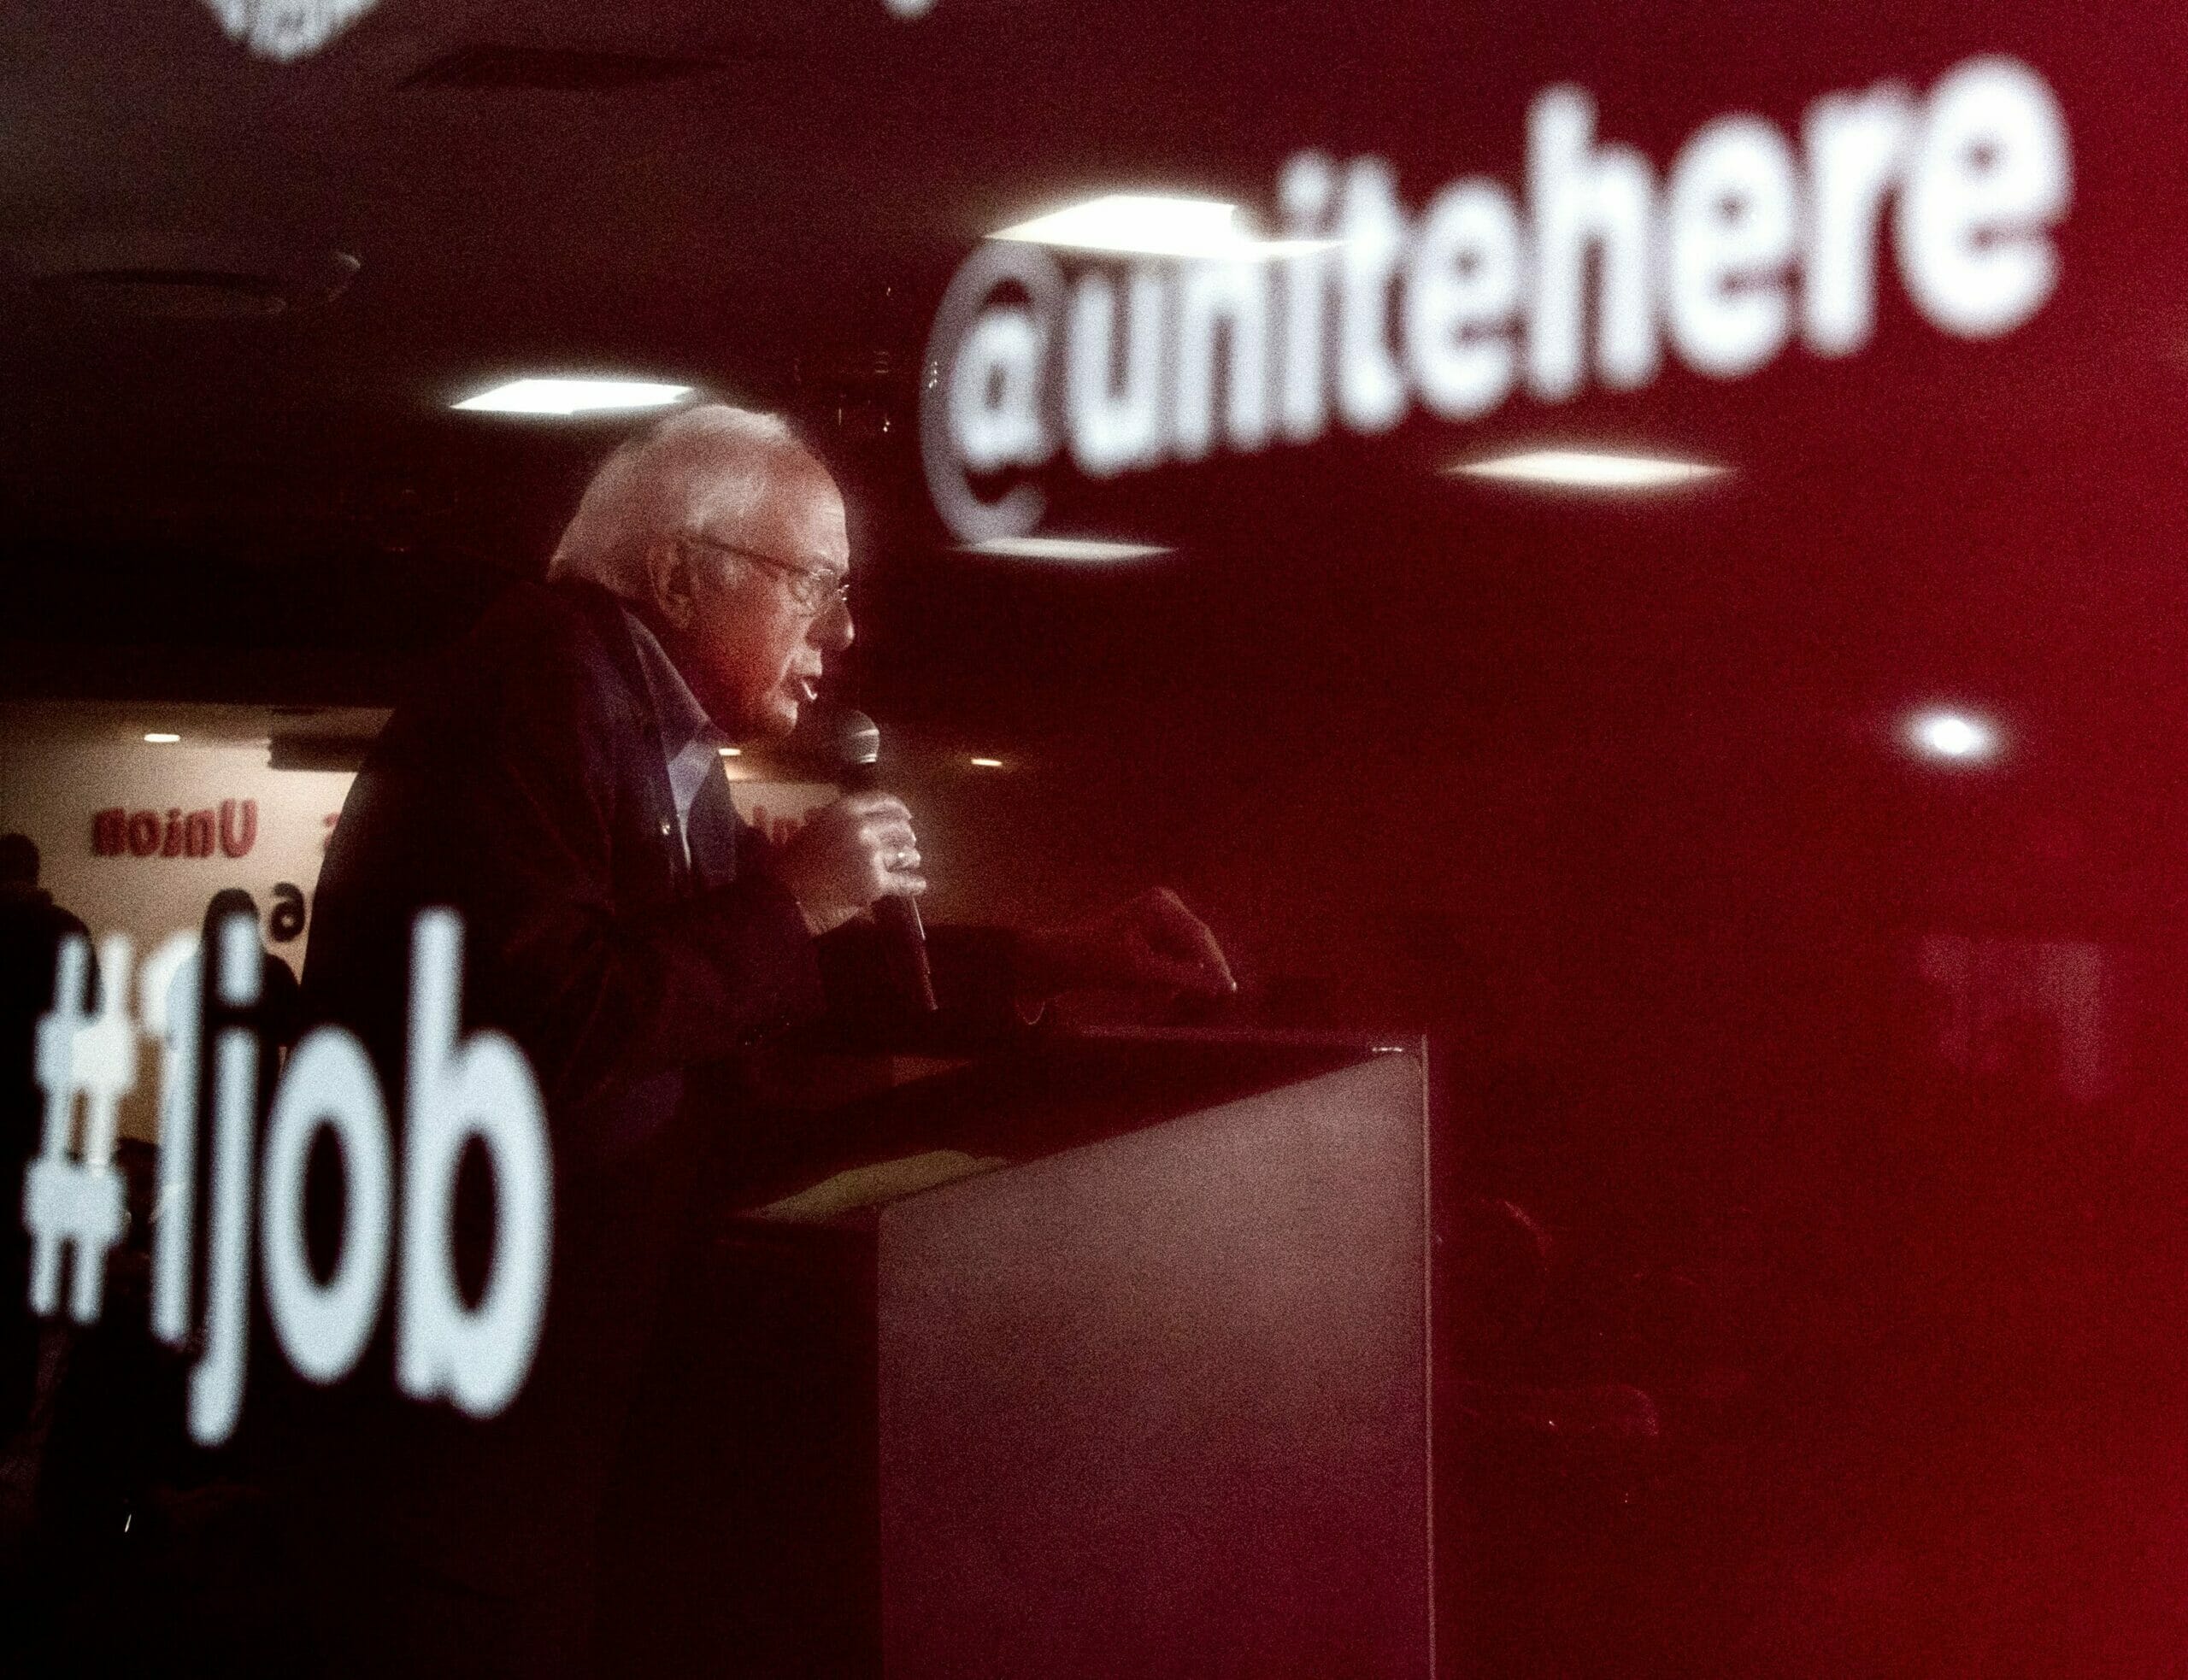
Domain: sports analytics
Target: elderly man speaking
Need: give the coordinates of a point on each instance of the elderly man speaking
(560, 784)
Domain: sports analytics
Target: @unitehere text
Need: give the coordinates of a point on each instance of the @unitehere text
(1358, 311)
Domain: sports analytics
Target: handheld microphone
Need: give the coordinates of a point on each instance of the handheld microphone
(903, 938)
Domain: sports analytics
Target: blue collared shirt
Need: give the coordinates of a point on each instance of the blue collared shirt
(689, 743)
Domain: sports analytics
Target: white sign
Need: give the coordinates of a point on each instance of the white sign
(231, 822)
(1361, 311)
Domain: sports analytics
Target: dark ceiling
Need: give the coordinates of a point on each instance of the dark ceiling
(762, 200)
(766, 200)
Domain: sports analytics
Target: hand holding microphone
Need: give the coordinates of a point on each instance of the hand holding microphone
(849, 855)
(860, 854)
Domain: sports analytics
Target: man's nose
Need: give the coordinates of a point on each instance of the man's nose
(831, 632)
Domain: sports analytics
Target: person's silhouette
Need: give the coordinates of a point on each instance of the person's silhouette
(278, 1011)
(32, 927)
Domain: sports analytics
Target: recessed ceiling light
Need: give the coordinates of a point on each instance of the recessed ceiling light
(573, 396)
(1590, 469)
(989, 763)
(731, 752)
(1956, 736)
(158, 739)
(1149, 224)
(1092, 549)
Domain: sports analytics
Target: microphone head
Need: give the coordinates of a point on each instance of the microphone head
(858, 743)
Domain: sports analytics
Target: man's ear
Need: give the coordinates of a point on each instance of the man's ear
(669, 583)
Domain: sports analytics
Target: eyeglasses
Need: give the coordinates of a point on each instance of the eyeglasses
(816, 588)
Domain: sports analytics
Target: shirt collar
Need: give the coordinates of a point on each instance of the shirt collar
(684, 722)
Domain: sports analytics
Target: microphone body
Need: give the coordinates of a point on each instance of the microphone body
(903, 935)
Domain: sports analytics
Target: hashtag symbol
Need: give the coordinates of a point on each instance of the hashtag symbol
(77, 1204)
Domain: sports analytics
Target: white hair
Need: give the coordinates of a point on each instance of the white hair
(704, 464)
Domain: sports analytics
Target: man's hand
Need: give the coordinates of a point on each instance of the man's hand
(1150, 944)
(847, 855)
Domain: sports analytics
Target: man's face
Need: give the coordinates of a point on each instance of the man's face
(753, 652)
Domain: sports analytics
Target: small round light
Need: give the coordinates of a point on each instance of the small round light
(1953, 735)
(158, 739)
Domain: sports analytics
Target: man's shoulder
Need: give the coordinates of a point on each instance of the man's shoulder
(547, 662)
(548, 646)
(568, 615)
(32, 928)
(31, 913)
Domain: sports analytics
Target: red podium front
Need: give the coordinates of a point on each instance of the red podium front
(1158, 1405)
(1146, 1394)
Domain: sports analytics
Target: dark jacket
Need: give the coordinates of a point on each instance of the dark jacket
(526, 788)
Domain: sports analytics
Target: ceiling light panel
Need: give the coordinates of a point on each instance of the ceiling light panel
(1590, 469)
(1956, 736)
(566, 396)
(1146, 223)
(1093, 550)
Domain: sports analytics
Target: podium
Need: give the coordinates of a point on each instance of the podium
(1142, 1390)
